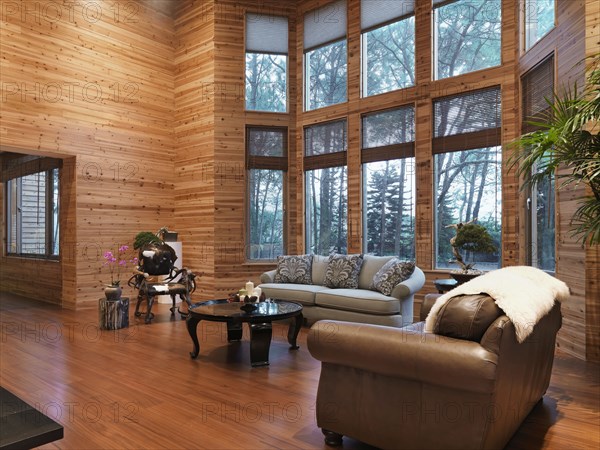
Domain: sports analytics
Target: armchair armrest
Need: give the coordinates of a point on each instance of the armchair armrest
(409, 286)
(405, 353)
(268, 277)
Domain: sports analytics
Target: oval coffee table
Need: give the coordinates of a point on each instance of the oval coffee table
(259, 321)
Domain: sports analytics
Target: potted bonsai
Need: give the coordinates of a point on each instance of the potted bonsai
(470, 237)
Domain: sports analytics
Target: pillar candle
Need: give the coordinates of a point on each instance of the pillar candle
(249, 287)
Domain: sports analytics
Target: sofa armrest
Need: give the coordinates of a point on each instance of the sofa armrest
(427, 304)
(409, 286)
(268, 277)
(405, 353)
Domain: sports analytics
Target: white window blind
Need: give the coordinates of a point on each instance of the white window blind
(376, 12)
(266, 34)
(325, 24)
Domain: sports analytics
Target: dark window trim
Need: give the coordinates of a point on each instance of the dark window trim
(325, 161)
(388, 152)
(491, 137)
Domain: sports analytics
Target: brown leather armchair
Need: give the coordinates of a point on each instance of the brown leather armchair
(403, 388)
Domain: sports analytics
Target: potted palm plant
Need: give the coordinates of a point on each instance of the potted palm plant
(568, 136)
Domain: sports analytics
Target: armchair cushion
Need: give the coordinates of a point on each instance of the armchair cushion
(391, 273)
(342, 271)
(466, 317)
(294, 269)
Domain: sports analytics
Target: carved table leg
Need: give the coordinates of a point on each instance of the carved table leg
(260, 341)
(332, 438)
(234, 331)
(192, 327)
(149, 314)
(293, 330)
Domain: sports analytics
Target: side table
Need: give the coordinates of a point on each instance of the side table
(114, 314)
(445, 285)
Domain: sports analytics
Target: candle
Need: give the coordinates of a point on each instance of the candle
(249, 287)
(257, 291)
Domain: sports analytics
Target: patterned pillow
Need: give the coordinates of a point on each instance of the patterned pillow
(342, 271)
(393, 272)
(294, 269)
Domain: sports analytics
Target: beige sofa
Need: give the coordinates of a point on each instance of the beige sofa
(352, 305)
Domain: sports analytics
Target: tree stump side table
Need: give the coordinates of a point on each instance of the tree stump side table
(114, 314)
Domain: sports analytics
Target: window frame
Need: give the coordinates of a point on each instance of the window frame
(306, 74)
(523, 25)
(364, 60)
(323, 161)
(392, 152)
(49, 222)
(255, 162)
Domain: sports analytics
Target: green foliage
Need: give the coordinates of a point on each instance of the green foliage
(474, 237)
(144, 238)
(568, 137)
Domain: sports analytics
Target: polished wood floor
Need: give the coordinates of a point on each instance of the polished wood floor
(138, 387)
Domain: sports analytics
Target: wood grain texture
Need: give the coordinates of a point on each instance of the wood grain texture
(138, 388)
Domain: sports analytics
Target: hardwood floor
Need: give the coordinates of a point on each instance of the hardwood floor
(138, 387)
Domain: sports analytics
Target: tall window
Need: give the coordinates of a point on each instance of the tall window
(266, 63)
(389, 182)
(537, 90)
(466, 36)
(388, 45)
(326, 184)
(467, 170)
(267, 163)
(538, 20)
(325, 56)
(32, 219)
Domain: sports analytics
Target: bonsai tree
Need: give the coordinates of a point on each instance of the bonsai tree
(144, 238)
(470, 237)
(568, 136)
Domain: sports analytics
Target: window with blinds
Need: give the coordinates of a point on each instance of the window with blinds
(537, 88)
(325, 56)
(467, 121)
(266, 161)
(266, 63)
(387, 45)
(388, 134)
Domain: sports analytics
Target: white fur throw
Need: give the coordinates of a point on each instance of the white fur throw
(524, 293)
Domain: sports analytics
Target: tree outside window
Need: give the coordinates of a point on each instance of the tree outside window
(388, 45)
(267, 164)
(326, 184)
(389, 182)
(538, 20)
(467, 36)
(266, 62)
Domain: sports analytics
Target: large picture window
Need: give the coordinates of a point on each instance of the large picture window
(537, 91)
(267, 165)
(538, 20)
(32, 219)
(325, 56)
(388, 45)
(389, 182)
(326, 184)
(467, 36)
(467, 171)
(266, 63)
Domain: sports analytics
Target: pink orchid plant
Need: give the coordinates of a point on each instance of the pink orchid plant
(116, 262)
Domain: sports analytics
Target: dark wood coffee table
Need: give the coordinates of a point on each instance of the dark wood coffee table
(258, 320)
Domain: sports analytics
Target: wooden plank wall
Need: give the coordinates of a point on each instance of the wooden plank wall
(93, 82)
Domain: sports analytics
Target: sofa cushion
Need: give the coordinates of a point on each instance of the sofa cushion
(319, 267)
(342, 271)
(467, 317)
(358, 300)
(294, 269)
(301, 293)
(370, 266)
(391, 273)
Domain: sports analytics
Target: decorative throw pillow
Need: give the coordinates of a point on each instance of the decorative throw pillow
(342, 271)
(393, 272)
(294, 269)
